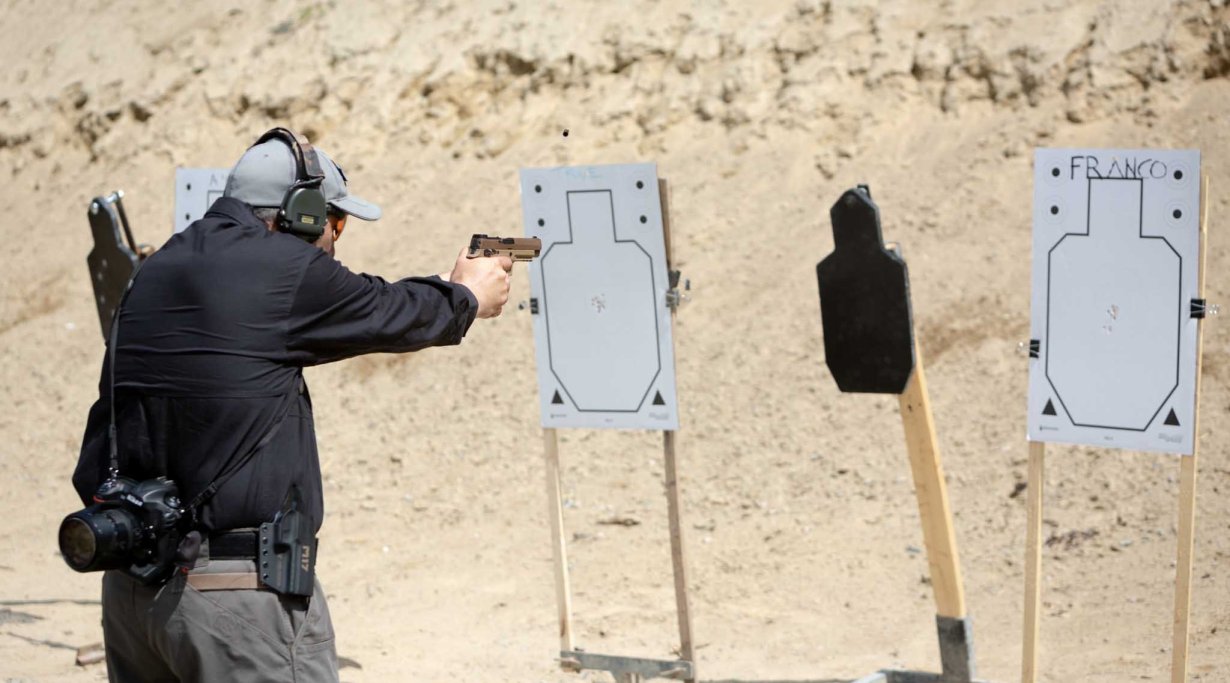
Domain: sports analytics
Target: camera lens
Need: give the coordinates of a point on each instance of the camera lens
(98, 538)
(77, 543)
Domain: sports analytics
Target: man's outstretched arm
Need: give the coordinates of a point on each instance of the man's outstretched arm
(337, 314)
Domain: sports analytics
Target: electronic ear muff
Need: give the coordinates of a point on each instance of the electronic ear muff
(303, 210)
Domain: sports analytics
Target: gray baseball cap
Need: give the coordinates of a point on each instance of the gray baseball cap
(264, 173)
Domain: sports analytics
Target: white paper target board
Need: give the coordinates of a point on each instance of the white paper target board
(1116, 248)
(195, 191)
(602, 329)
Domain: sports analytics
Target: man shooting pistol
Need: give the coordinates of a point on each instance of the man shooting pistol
(515, 248)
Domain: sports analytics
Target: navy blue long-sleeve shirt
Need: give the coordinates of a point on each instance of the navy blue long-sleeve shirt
(211, 342)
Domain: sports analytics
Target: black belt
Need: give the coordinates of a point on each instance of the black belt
(240, 544)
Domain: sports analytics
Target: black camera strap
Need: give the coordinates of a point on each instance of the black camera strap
(113, 467)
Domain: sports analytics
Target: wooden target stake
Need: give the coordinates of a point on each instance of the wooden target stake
(931, 490)
(1033, 560)
(678, 561)
(559, 549)
(1187, 481)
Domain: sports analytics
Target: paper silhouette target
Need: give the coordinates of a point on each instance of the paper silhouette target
(602, 329)
(1116, 246)
(196, 189)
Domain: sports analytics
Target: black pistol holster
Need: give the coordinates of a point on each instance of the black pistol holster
(286, 556)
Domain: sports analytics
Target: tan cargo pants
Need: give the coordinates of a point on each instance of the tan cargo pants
(175, 633)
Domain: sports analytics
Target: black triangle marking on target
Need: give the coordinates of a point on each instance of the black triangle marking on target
(556, 400)
(657, 399)
(1049, 409)
(1172, 419)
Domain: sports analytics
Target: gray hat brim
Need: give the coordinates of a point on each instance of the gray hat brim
(358, 207)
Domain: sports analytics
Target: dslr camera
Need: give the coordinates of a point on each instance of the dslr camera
(132, 526)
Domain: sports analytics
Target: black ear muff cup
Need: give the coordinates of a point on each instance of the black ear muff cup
(304, 213)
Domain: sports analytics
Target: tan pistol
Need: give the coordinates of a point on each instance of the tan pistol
(516, 248)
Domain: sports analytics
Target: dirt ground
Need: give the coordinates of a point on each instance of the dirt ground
(801, 528)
